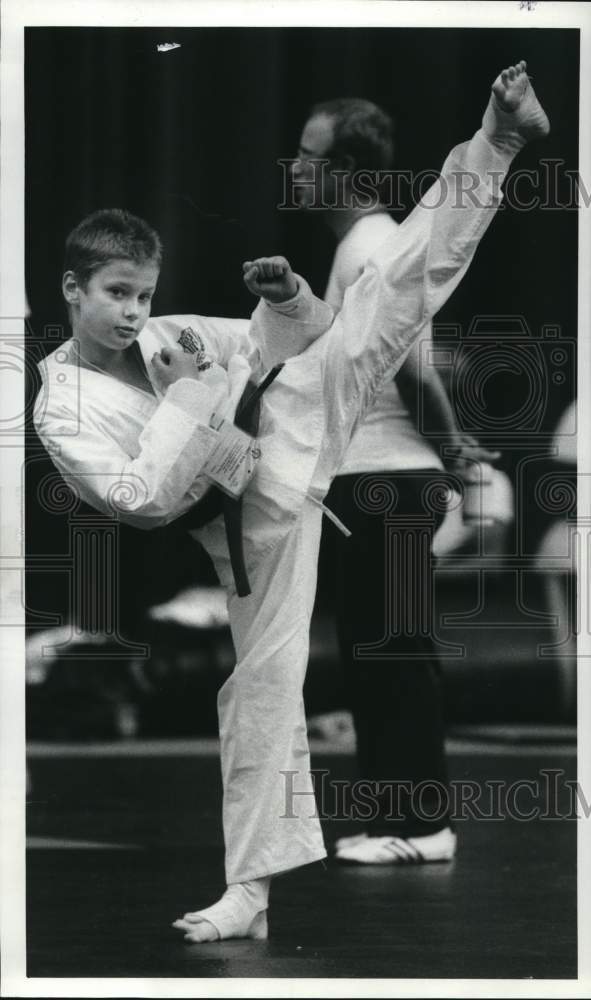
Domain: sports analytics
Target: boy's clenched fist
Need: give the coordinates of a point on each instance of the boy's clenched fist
(270, 278)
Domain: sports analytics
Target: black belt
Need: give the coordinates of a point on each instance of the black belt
(215, 501)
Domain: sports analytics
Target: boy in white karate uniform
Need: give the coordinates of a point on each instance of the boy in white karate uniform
(132, 422)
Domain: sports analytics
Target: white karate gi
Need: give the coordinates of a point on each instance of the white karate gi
(124, 450)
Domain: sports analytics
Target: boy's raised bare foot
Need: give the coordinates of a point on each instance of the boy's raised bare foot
(510, 86)
(514, 115)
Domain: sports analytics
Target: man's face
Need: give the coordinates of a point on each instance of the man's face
(115, 305)
(313, 185)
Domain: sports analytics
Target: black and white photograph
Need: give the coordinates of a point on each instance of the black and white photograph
(294, 499)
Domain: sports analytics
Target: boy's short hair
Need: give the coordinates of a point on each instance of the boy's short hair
(106, 235)
(361, 130)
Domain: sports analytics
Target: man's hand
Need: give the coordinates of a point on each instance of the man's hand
(270, 278)
(466, 451)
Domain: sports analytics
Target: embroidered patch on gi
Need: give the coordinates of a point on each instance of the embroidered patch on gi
(192, 343)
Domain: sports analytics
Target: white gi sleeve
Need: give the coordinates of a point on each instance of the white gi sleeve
(274, 333)
(283, 330)
(149, 488)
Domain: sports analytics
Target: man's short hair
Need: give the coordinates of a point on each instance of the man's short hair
(106, 235)
(361, 130)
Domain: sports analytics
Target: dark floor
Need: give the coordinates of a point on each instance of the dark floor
(121, 845)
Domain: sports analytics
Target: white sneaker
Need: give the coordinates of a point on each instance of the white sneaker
(440, 846)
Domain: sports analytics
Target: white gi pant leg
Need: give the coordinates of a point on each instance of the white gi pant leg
(262, 725)
(269, 811)
(405, 282)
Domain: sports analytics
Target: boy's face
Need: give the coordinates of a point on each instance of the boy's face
(115, 305)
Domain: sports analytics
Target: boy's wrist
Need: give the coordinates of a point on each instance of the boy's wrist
(291, 302)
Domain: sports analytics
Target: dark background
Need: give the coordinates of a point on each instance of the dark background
(190, 139)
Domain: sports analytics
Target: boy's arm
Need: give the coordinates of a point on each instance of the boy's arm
(150, 488)
(289, 317)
